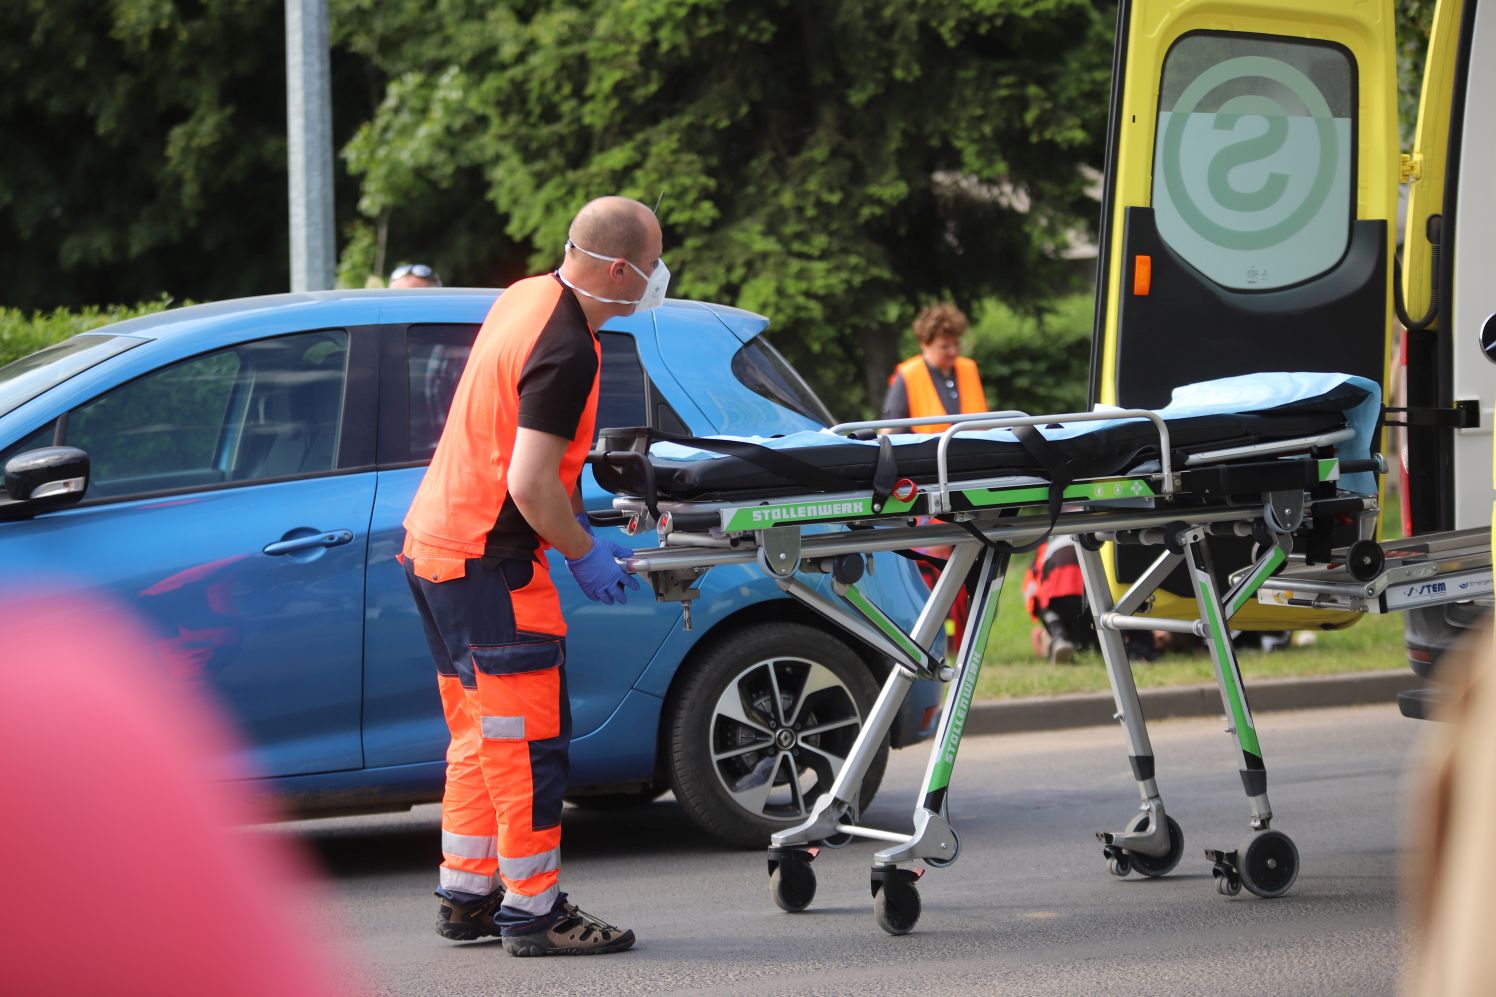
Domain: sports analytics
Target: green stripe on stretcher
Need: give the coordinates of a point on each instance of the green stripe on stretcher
(886, 626)
(758, 517)
(1220, 642)
(960, 706)
(1262, 574)
(1329, 469)
(1120, 488)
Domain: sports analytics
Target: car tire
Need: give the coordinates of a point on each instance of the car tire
(725, 767)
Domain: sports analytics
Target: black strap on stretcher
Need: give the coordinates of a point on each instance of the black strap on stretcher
(1061, 474)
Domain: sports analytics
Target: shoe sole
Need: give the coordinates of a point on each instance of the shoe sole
(1063, 656)
(517, 945)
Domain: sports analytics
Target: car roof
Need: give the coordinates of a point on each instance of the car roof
(314, 309)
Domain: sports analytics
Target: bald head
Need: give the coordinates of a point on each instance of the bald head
(617, 226)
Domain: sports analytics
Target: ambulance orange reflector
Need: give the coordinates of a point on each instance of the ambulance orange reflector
(1142, 275)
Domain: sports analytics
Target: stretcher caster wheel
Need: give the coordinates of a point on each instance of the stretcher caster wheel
(1268, 863)
(946, 861)
(1119, 865)
(838, 840)
(1157, 865)
(792, 882)
(896, 899)
(1365, 560)
(1227, 880)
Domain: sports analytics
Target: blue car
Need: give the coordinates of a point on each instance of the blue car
(236, 473)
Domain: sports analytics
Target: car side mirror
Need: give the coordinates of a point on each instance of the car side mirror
(42, 480)
(1488, 337)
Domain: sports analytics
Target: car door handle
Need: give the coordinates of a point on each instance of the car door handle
(332, 538)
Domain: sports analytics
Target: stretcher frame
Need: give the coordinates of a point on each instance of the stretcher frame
(982, 522)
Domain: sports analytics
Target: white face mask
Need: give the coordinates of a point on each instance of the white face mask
(654, 283)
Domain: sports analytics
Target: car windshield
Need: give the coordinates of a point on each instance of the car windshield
(765, 372)
(30, 376)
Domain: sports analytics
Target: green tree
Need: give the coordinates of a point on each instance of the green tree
(144, 149)
(835, 166)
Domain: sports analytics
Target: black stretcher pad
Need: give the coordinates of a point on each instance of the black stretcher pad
(1111, 450)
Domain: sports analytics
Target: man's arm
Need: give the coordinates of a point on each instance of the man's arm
(535, 485)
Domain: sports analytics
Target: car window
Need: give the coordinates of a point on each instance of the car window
(1254, 157)
(434, 358)
(765, 372)
(622, 394)
(436, 354)
(258, 411)
(24, 379)
(31, 441)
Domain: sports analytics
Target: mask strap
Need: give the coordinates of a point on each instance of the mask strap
(606, 259)
(595, 297)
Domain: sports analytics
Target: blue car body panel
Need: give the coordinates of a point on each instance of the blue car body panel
(319, 655)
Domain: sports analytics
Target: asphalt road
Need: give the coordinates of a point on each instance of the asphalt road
(1028, 908)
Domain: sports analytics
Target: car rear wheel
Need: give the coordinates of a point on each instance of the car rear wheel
(761, 726)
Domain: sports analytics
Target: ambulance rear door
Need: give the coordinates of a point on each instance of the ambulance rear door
(1249, 211)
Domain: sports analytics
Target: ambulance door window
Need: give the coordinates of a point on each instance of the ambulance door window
(1254, 157)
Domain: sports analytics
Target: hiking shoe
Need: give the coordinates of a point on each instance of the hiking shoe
(465, 922)
(575, 932)
(1061, 651)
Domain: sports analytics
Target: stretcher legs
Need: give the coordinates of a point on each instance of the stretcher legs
(933, 841)
(1152, 842)
(1266, 862)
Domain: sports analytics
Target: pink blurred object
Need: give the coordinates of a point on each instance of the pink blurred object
(121, 869)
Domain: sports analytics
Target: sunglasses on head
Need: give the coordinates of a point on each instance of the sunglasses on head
(420, 270)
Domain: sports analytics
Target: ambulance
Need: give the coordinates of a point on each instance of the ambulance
(1251, 222)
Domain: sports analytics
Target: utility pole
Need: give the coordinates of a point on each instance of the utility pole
(309, 137)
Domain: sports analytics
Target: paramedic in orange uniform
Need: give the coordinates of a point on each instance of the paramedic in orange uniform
(502, 487)
(939, 381)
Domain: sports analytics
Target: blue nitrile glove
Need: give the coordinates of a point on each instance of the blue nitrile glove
(599, 575)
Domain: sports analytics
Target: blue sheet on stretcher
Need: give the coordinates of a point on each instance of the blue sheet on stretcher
(1208, 415)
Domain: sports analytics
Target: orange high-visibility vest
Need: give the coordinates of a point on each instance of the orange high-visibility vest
(925, 400)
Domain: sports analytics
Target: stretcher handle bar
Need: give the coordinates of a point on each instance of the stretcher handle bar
(843, 428)
(906, 537)
(1283, 446)
(942, 471)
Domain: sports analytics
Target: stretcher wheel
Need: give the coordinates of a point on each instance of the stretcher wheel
(838, 840)
(896, 904)
(793, 885)
(1119, 865)
(1157, 865)
(1365, 560)
(1228, 884)
(947, 861)
(1268, 863)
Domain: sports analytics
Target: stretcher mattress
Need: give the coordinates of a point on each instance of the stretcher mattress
(1210, 415)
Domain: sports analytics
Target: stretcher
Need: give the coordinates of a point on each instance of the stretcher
(1284, 459)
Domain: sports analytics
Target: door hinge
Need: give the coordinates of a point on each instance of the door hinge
(1410, 167)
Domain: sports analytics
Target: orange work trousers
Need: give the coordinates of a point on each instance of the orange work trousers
(498, 640)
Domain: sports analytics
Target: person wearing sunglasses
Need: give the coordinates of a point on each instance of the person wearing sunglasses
(414, 275)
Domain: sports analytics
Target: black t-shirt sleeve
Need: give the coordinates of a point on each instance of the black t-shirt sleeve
(557, 378)
(896, 402)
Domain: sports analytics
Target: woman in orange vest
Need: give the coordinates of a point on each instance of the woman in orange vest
(939, 381)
